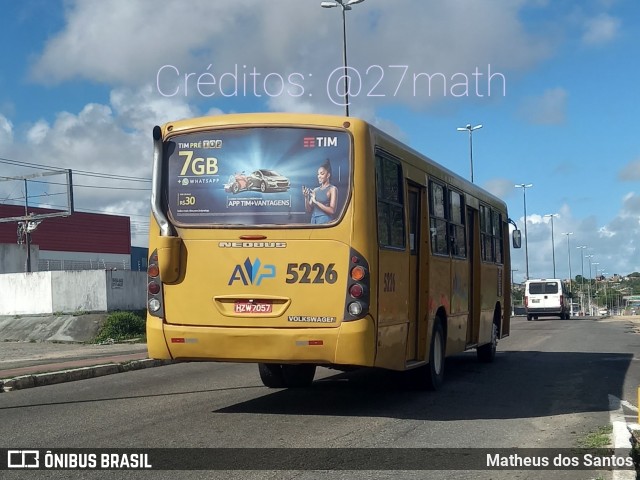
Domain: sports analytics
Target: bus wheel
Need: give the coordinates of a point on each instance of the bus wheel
(271, 375)
(529, 317)
(435, 369)
(486, 353)
(298, 376)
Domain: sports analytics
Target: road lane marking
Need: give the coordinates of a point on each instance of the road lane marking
(621, 435)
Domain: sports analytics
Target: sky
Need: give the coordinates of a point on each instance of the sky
(553, 84)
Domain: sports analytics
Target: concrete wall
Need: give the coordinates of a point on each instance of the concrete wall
(126, 290)
(72, 291)
(25, 293)
(79, 291)
(13, 258)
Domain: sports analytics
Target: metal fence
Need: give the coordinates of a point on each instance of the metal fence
(45, 265)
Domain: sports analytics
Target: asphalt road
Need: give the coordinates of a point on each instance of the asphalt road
(550, 385)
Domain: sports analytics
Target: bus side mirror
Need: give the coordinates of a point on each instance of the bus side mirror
(516, 237)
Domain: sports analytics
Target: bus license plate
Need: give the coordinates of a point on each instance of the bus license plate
(245, 306)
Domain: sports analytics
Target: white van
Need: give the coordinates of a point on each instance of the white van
(545, 297)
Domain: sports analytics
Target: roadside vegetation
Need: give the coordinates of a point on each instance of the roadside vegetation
(122, 326)
(599, 438)
(635, 449)
(607, 292)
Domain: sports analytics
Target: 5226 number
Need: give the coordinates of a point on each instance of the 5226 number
(306, 273)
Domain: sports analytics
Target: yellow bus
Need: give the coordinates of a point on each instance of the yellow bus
(298, 240)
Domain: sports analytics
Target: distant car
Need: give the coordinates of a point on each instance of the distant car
(603, 312)
(546, 297)
(268, 181)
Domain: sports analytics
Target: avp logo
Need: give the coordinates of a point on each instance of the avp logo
(252, 273)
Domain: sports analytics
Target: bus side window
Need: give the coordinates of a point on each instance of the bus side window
(457, 227)
(438, 221)
(389, 179)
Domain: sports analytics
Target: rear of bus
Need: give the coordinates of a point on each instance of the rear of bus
(237, 270)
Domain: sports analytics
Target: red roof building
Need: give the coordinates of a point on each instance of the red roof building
(95, 239)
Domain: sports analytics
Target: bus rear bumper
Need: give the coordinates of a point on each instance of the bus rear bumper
(545, 311)
(350, 343)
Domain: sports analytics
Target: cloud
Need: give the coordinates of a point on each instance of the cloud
(500, 187)
(6, 130)
(630, 172)
(142, 108)
(127, 43)
(113, 139)
(37, 132)
(600, 30)
(613, 244)
(630, 206)
(546, 109)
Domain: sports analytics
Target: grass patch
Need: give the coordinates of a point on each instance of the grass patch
(635, 448)
(120, 326)
(599, 438)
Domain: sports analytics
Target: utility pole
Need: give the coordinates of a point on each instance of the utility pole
(26, 228)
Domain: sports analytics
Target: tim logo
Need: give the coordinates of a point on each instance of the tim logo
(252, 273)
(23, 459)
(312, 142)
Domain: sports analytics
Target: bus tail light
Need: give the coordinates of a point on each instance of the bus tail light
(358, 273)
(155, 300)
(153, 288)
(357, 295)
(526, 300)
(153, 270)
(356, 290)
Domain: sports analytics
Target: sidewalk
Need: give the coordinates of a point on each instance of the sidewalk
(38, 350)
(33, 364)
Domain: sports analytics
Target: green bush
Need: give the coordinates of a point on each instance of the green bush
(122, 326)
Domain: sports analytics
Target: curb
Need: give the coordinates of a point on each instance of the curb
(82, 373)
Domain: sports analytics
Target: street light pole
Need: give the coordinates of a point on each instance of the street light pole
(470, 129)
(589, 284)
(524, 187)
(606, 299)
(595, 284)
(344, 5)
(582, 247)
(569, 255)
(553, 246)
(513, 308)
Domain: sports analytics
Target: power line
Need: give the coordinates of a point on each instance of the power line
(6, 199)
(86, 173)
(34, 196)
(84, 210)
(93, 186)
